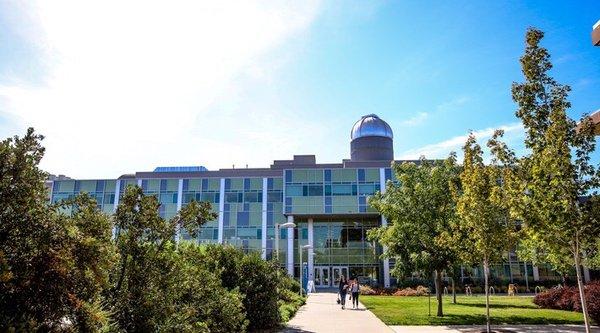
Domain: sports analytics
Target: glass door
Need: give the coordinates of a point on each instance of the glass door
(321, 277)
(337, 272)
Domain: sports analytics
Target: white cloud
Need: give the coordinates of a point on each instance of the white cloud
(453, 103)
(512, 132)
(132, 84)
(417, 119)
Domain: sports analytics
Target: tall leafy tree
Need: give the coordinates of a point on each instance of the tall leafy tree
(419, 208)
(53, 258)
(148, 280)
(484, 228)
(552, 188)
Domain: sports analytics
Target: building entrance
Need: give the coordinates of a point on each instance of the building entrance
(329, 276)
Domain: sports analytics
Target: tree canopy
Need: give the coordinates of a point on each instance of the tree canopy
(419, 208)
(552, 189)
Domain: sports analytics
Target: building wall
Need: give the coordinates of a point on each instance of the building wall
(252, 206)
(330, 191)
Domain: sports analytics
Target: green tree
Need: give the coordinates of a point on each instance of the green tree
(148, 280)
(484, 230)
(420, 209)
(551, 187)
(255, 278)
(53, 258)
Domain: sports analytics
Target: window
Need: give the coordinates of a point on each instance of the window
(294, 191)
(368, 189)
(274, 196)
(210, 197)
(233, 197)
(343, 189)
(168, 198)
(253, 197)
(109, 199)
(315, 190)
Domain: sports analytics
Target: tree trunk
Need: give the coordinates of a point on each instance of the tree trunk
(586, 318)
(439, 292)
(487, 295)
(453, 292)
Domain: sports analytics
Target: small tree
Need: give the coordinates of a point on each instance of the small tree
(419, 209)
(549, 189)
(483, 228)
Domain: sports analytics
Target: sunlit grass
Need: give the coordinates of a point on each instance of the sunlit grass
(395, 310)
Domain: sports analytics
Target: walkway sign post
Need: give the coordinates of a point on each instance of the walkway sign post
(305, 276)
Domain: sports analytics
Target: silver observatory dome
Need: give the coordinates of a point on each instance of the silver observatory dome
(371, 125)
(372, 139)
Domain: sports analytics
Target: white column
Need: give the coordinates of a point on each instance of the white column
(263, 241)
(536, 273)
(116, 204)
(117, 194)
(179, 204)
(310, 260)
(586, 274)
(386, 262)
(290, 247)
(221, 209)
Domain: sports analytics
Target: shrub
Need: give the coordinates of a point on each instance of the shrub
(289, 302)
(419, 291)
(366, 290)
(567, 298)
(202, 297)
(548, 299)
(592, 296)
(257, 280)
(406, 292)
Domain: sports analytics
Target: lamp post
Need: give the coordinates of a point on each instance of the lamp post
(301, 249)
(277, 226)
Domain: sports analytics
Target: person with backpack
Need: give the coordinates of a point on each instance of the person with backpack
(355, 291)
(343, 288)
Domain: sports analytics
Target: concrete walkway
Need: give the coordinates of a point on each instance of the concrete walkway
(495, 328)
(322, 314)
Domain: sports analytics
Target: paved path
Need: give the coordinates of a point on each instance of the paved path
(495, 328)
(322, 314)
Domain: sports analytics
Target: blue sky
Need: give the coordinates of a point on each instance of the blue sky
(122, 88)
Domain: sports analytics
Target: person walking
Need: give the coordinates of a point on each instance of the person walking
(355, 290)
(343, 288)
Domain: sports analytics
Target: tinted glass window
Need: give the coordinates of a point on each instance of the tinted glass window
(315, 190)
(293, 190)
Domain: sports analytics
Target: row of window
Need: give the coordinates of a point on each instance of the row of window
(107, 198)
(272, 196)
(309, 190)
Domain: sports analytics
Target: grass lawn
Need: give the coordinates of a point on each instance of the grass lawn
(398, 310)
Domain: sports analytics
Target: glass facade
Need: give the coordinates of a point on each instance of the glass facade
(242, 214)
(330, 191)
(249, 210)
(102, 190)
(202, 189)
(343, 243)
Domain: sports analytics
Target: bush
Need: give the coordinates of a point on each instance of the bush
(366, 290)
(289, 302)
(567, 298)
(419, 291)
(548, 299)
(202, 297)
(257, 280)
(592, 294)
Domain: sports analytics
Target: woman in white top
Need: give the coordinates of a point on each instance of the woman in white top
(355, 290)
